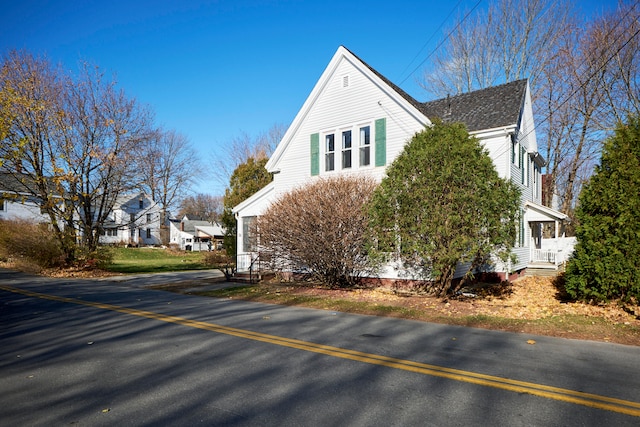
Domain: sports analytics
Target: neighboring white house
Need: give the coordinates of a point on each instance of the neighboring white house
(195, 234)
(355, 121)
(16, 202)
(134, 220)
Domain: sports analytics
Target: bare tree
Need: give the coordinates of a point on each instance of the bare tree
(325, 232)
(513, 39)
(584, 76)
(169, 165)
(202, 205)
(590, 85)
(242, 148)
(71, 143)
(31, 90)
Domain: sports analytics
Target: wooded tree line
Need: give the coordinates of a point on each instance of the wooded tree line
(77, 142)
(583, 71)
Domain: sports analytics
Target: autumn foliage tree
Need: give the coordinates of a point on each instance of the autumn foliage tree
(321, 229)
(604, 264)
(443, 204)
(71, 142)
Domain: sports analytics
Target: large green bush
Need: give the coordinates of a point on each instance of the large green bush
(443, 204)
(604, 264)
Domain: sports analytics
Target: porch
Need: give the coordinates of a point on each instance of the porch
(250, 267)
(549, 247)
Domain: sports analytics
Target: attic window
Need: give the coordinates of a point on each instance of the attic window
(345, 81)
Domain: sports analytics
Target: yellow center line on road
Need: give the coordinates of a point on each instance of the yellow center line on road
(566, 395)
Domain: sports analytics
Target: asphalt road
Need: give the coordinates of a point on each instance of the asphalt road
(93, 353)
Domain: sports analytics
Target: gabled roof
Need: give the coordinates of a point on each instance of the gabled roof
(209, 230)
(20, 183)
(488, 108)
(189, 226)
(343, 54)
(551, 214)
(123, 199)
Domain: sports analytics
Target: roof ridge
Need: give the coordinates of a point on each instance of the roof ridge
(393, 86)
(485, 108)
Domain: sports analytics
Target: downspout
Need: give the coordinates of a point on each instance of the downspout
(508, 174)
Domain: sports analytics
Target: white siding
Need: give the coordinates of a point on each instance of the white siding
(28, 211)
(337, 108)
(334, 106)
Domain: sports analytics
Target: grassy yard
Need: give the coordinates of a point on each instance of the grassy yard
(154, 260)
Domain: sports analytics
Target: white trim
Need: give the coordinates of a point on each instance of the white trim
(342, 54)
(263, 192)
(553, 214)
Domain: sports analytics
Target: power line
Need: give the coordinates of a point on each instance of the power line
(442, 41)
(430, 38)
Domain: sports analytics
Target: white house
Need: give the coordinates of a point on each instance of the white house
(355, 121)
(134, 220)
(195, 234)
(16, 202)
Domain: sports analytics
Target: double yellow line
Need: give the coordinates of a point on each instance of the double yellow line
(549, 392)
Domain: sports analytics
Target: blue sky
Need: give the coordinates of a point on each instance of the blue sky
(213, 70)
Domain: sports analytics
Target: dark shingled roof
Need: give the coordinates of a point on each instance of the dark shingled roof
(488, 108)
(16, 183)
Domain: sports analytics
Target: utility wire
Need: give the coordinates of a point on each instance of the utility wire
(442, 41)
(437, 30)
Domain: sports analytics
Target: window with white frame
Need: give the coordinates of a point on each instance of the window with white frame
(330, 149)
(355, 147)
(365, 146)
(346, 149)
(111, 232)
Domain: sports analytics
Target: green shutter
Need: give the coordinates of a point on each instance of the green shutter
(381, 142)
(315, 154)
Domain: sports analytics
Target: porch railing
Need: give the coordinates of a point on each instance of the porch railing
(250, 263)
(540, 255)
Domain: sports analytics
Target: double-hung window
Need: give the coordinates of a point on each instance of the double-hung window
(330, 149)
(346, 149)
(365, 146)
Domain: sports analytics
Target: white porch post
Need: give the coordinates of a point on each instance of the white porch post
(556, 257)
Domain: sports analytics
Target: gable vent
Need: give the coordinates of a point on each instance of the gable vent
(345, 81)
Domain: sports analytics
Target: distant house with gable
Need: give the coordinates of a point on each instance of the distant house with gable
(134, 221)
(195, 234)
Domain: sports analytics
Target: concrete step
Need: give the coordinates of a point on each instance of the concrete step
(541, 272)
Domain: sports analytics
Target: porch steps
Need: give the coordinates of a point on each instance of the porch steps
(533, 271)
(245, 277)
